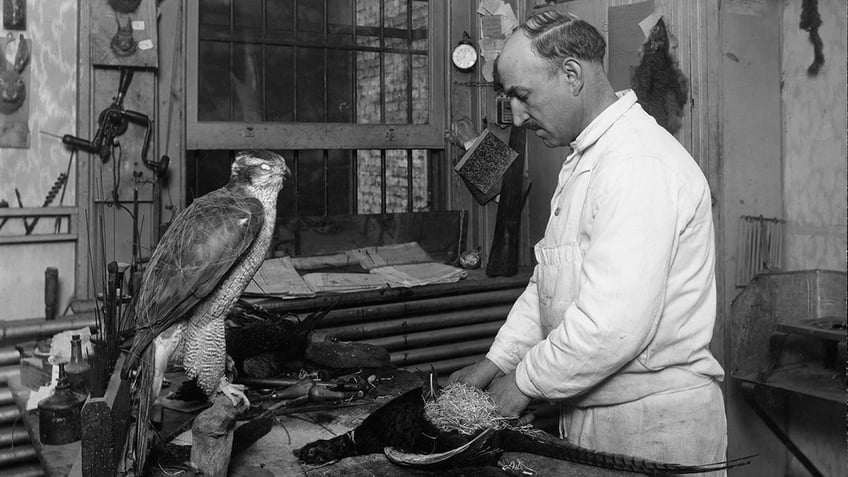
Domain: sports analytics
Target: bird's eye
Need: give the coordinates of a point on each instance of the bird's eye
(265, 167)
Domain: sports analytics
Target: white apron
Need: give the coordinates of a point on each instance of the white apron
(691, 418)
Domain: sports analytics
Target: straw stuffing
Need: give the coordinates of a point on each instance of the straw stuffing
(463, 408)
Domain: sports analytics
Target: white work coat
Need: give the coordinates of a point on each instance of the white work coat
(622, 303)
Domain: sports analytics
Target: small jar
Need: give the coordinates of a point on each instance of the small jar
(59, 413)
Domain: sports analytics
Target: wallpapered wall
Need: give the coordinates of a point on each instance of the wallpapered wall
(815, 120)
(52, 27)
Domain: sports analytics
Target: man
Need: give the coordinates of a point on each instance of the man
(617, 319)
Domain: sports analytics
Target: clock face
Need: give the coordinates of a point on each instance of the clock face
(464, 56)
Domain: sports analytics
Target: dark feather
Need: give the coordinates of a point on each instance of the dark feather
(254, 330)
(401, 424)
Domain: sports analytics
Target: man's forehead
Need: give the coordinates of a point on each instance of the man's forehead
(517, 56)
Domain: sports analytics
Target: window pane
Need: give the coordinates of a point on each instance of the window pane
(247, 83)
(310, 182)
(310, 85)
(310, 20)
(287, 200)
(280, 81)
(369, 182)
(340, 103)
(214, 12)
(279, 20)
(247, 13)
(397, 90)
(395, 14)
(397, 186)
(340, 182)
(420, 183)
(295, 61)
(368, 88)
(420, 90)
(368, 13)
(213, 74)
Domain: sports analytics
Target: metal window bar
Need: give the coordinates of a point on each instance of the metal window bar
(409, 180)
(296, 182)
(759, 247)
(382, 32)
(383, 181)
(326, 159)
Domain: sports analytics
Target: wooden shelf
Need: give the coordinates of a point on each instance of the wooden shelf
(830, 329)
(807, 379)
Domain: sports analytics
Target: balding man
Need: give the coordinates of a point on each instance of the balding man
(617, 319)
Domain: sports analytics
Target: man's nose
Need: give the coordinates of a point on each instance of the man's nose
(519, 114)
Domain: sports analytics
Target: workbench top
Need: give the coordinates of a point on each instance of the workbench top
(273, 454)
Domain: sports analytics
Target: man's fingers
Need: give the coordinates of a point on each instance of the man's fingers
(526, 419)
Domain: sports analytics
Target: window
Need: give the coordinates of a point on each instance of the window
(351, 92)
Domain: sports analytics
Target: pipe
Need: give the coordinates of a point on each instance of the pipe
(9, 373)
(432, 337)
(9, 413)
(17, 454)
(386, 295)
(418, 323)
(13, 435)
(37, 328)
(445, 366)
(9, 355)
(6, 396)
(450, 350)
(25, 470)
(347, 316)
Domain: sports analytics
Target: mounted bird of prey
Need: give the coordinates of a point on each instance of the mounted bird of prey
(199, 269)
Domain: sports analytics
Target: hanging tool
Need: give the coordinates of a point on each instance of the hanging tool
(113, 122)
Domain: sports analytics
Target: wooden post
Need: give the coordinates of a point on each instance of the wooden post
(105, 421)
(503, 256)
(212, 437)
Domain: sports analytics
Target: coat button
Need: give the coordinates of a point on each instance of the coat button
(556, 211)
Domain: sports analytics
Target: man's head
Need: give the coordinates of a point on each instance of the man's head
(552, 70)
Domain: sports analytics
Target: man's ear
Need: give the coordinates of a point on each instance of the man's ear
(573, 72)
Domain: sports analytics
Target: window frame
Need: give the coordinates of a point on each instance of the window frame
(269, 135)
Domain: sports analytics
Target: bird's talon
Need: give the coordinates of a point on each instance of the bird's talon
(234, 391)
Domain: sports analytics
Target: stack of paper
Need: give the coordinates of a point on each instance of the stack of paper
(402, 253)
(278, 277)
(344, 282)
(418, 274)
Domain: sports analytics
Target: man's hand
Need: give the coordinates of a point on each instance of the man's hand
(479, 374)
(510, 400)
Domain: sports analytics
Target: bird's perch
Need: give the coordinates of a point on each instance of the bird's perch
(212, 437)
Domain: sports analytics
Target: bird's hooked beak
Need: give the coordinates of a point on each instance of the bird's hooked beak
(283, 169)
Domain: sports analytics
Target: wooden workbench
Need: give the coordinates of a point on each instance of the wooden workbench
(274, 453)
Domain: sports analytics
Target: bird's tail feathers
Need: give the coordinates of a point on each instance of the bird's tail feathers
(310, 321)
(142, 392)
(542, 443)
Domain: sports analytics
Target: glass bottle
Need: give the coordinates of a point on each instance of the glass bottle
(78, 369)
(59, 413)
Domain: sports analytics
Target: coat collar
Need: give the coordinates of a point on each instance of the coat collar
(603, 121)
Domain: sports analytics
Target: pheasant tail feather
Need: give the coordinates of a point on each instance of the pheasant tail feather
(142, 395)
(549, 446)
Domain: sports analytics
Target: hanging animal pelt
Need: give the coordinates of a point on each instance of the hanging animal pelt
(459, 428)
(660, 87)
(811, 21)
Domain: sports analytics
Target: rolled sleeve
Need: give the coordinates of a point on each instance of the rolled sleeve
(520, 331)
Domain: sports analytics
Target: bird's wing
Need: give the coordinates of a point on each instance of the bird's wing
(195, 254)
